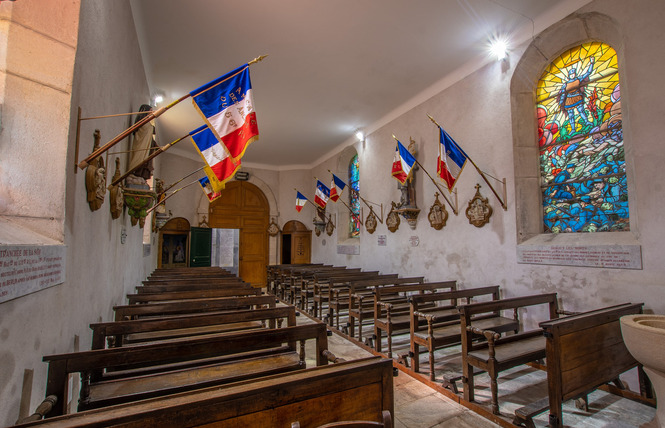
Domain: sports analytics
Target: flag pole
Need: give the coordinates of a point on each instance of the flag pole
(454, 208)
(168, 196)
(150, 116)
(482, 174)
(188, 175)
(152, 155)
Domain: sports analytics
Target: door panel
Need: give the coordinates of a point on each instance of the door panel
(243, 206)
(200, 246)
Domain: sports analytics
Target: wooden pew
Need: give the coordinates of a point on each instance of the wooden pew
(359, 389)
(121, 333)
(276, 272)
(305, 288)
(497, 354)
(119, 375)
(167, 287)
(360, 300)
(126, 312)
(433, 329)
(220, 282)
(391, 309)
(584, 351)
(324, 283)
(294, 277)
(166, 296)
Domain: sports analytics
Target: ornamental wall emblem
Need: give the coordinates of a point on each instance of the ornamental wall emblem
(437, 214)
(392, 219)
(479, 211)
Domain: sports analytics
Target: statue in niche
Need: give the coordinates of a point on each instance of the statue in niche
(95, 178)
(116, 194)
(143, 143)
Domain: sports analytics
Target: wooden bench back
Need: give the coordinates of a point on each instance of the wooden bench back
(125, 312)
(581, 345)
(151, 289)
(93, 363)
(314, 397)
(118, 329)
(133, 299)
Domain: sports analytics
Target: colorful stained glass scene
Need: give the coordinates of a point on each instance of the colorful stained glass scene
(580, 137)
(354, 200)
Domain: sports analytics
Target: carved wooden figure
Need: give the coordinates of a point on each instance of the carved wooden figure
(95, 178)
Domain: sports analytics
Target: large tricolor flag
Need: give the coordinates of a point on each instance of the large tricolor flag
(208, 190)
(322, 194)
(336, 188)
(227, 106)
(451, 160)
(403, 163)
(214, 153)
(301, 200)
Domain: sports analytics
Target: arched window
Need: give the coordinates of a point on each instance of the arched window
(354, 200)
(580, 138)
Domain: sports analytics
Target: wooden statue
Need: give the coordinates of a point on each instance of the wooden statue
(116, 194)
(95, 178)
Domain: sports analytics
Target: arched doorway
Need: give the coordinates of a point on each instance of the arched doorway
(173, 243)
(243, 206)
(296, 243)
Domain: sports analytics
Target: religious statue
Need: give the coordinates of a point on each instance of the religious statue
(95, 178)
(116, 194)
(407, 206)
(143, 144)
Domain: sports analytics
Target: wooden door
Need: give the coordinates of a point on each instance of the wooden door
(243, 206)
(200, 246)
(296, 243)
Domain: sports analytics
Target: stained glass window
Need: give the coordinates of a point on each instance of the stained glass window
(354, 201)
(580, 137)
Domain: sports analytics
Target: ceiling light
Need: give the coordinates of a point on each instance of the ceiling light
(158, 99)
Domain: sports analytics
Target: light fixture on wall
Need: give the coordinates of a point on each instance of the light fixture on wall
(498, 48)
(157, 98)
(360, 136)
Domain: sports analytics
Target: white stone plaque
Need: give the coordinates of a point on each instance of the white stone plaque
(601, 256)
(381, 240)
(348, 249)
(25, 269)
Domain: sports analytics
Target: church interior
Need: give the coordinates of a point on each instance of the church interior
(471, 243)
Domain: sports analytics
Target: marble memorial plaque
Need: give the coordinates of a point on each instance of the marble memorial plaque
(25, 269)
(601, 256)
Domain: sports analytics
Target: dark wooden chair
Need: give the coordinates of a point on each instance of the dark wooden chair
(496, 354)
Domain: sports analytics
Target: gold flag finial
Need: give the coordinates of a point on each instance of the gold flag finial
(257, 59)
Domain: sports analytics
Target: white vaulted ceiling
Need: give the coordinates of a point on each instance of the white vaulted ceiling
(333, 66)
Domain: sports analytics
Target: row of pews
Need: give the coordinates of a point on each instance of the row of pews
(583, 351)
(196, 347)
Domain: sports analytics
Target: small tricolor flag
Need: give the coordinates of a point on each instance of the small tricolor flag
(451, 160)
(227, 106)
(214, 153)
(336, 188)
(208, 190)
(301, 200)
(322, 194)
(403, 163)
(217, 186)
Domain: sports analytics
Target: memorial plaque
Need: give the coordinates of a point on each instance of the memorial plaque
(25, 269)
(601, 256)
(348, 249)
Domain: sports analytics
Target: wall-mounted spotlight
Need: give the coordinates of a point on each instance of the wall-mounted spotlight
(157, 98)
(360, 136)
(499, 48)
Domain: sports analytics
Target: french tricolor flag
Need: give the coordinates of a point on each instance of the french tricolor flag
(227, 106)
(336, 188)
(322, 194)
(403, 163)
(301, 200)
(451, 160)
(214, 153)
